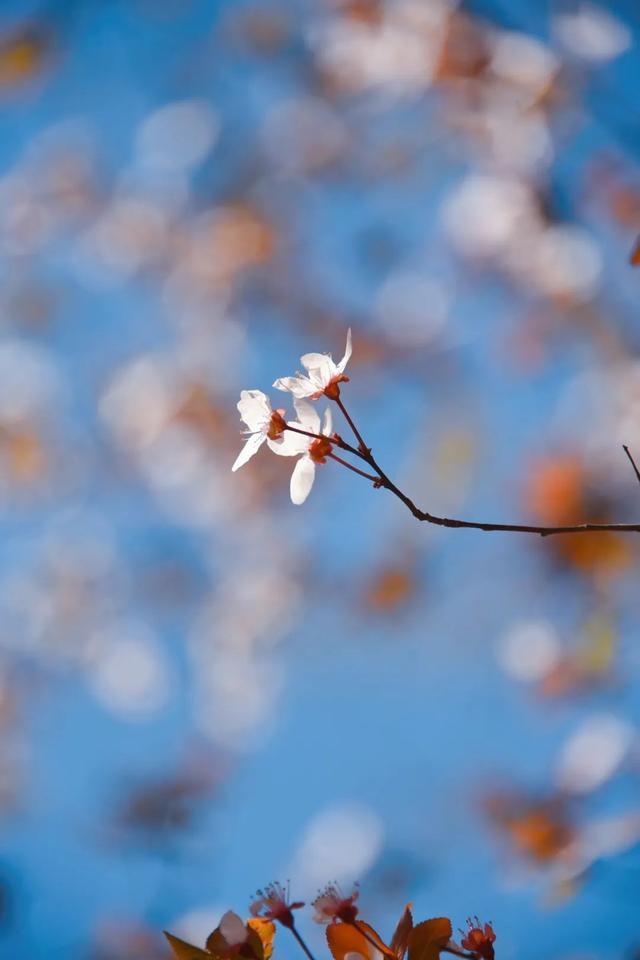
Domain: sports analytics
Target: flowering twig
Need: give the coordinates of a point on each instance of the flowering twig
(313, 444)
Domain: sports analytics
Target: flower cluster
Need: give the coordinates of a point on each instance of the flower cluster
(348, 937)
(312, 444)
(305, 438)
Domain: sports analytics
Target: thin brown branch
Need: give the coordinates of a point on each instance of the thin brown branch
(454, 523)
(302, 943)
(364, 449)
(335, 439)
(633, 463)
(350, 466)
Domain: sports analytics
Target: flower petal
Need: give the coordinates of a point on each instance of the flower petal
(347, 353)
(255, 409)
(327, 425)
(290, 444)
(302, 480)
(232, 928)
(298, 386)
(320, 368)
(307, 415)
(251, 447)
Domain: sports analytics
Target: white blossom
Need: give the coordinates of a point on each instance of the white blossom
(322, 377)
(263, 423)
(312, 450)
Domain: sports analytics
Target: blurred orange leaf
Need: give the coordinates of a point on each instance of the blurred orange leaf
(390, 589)
(21, 56)
(539, 829)
(558, 494)
(428, 938)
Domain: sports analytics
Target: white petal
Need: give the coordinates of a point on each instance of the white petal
(291, 444)
(302, 480)
(327, 426)
(320, 368)
(232, 928)
(298, 386)
(307, 415)
(252, 446)
(347, 353)
(255, 408)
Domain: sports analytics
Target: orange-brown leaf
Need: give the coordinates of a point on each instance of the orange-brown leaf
(428, 938)
(344, 938)
(634, 259)
(266, 931)
(186, 951)
(372, 935)
(400, 938)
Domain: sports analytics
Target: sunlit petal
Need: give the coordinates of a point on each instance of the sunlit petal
(307, 415)
(302, 480)
(327, 424)
(254, 408)
(232, 928)
(291, 444)
(251, 447)
(347, 353)
(298, 386)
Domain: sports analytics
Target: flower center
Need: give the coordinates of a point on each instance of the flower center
(320, 449)
(332, 389)
(277, 425)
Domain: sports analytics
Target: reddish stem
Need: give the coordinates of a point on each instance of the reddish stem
(364, 449)
(302, 943)
(383, 480)
(349, 466)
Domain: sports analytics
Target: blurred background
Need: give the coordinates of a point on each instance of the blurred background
(204, 688)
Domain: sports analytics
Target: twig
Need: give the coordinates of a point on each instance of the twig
(633, 463)
(335, 439)
(302, 943)
(364, 449)
(350, 466)
(453, 523)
